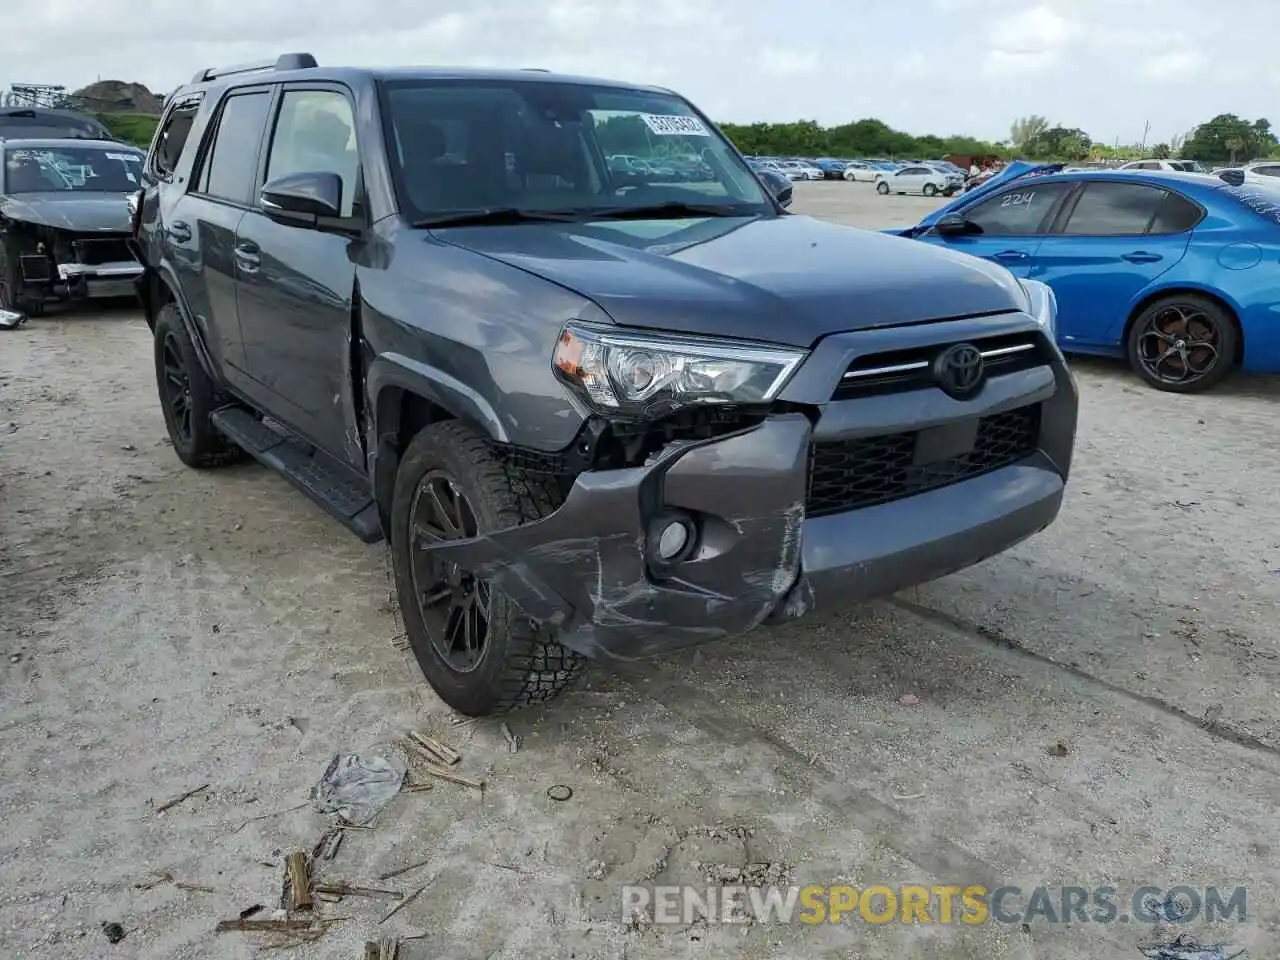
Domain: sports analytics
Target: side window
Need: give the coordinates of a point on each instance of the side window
(1272, 170)
(231, 162)
(1109, 209)
(173, 137)
(1018, 212)
(1174, 215)
(315, 133)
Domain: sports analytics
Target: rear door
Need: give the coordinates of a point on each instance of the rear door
(295, 285)
(1114, 241)
(1012, 223)
(201, 230)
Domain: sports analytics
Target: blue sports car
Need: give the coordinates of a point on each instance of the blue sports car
(1177, 272)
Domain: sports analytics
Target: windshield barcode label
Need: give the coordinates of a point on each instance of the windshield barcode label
(674, 126)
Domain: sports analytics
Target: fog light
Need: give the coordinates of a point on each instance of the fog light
(672, 540)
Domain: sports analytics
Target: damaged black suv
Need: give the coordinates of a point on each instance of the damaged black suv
(556, 341)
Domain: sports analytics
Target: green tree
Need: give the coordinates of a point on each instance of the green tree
(1228, 136)
(868, 137)
(1161, 151)
(1026, 129)
(1058, 143)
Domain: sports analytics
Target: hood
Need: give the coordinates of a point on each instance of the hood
(71, 210)
(789, 279)
(1015, 170)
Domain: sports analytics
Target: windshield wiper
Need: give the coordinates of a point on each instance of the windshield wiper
(495, 216)
(674, 209)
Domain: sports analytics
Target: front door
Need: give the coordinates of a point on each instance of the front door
(295, 285)
(1010, 224)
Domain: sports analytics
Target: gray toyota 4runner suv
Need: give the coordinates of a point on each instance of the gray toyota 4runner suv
(598, 409)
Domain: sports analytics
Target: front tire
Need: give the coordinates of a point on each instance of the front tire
(1183, 343)
(188, 397)
(882, 188)
(477, 649)
(930, 190)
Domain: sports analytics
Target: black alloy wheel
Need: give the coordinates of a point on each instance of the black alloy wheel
(456, 607)
(1183, 344)
(177, 388)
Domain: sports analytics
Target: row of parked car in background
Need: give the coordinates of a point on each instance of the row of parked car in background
(926, 177)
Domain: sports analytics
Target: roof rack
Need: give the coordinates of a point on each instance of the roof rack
(286, 61)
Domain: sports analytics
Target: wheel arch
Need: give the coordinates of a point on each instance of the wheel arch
(1232, 312)
(404, 396)
(159, 288)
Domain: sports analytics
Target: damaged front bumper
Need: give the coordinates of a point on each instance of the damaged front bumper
(589, 569)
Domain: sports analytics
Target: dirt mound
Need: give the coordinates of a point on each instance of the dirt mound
(108, 96)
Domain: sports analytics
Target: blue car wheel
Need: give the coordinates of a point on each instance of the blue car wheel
(1183, 343)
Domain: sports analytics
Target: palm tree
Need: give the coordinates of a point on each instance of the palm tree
(1026, 129)
(1235, 145)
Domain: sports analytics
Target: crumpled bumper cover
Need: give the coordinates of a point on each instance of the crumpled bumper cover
(583, 569)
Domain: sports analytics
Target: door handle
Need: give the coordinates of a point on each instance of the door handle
(1012, 255)
(247, 257)
(1141, 256)
(179, 231)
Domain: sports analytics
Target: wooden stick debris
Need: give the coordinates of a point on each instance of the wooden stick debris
(155, 881)
(443, 774)
(347, 890)
(264, 926)
(326, 847)
(186, 796)
(405, 902)
(439, 751)
(401, 870)
(299, 872)
(194, 887)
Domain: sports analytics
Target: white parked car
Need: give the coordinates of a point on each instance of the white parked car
(916, 179)
(803, 170)
(1172, 166)
(859, 171)
(1260, 171)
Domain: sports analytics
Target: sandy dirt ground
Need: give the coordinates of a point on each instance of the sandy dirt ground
(1097, 706)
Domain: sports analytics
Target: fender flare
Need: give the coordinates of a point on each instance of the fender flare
(434, 385)
(165, 276)
(395, 370)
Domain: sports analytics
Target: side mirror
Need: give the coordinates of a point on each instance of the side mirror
(779, 186)
(953, 225)
(303, 199)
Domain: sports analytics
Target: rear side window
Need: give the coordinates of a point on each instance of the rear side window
(231, 163)
(1271, 170)
(1108, 209)
(173, 137)
(1174, 215)
(1018, 212)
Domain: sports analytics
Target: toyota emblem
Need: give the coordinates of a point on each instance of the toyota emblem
(958, 370)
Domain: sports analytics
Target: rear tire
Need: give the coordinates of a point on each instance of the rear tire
(514, 662)
(882, 188)
(1183, 343)
(188, 397)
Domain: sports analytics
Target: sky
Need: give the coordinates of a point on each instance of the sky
(925, 66)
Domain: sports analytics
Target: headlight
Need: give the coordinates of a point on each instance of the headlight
(1043, 305)
(636, 376)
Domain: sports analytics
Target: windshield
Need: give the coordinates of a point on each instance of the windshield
(473, 145)
(66, 168)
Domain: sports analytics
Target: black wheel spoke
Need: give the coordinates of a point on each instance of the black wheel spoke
(452, 602)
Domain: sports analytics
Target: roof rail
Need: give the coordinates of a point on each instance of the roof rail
(286, 61)
(536, 69)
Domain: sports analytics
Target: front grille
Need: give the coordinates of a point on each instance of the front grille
(852, 474)
(105, 250)
(894, 371)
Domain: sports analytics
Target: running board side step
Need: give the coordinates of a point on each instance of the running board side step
(332, 485)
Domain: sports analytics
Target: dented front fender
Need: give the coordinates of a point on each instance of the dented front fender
(584, 570)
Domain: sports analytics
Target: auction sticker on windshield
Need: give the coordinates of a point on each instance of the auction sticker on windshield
(670, 125)
(124, 156)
